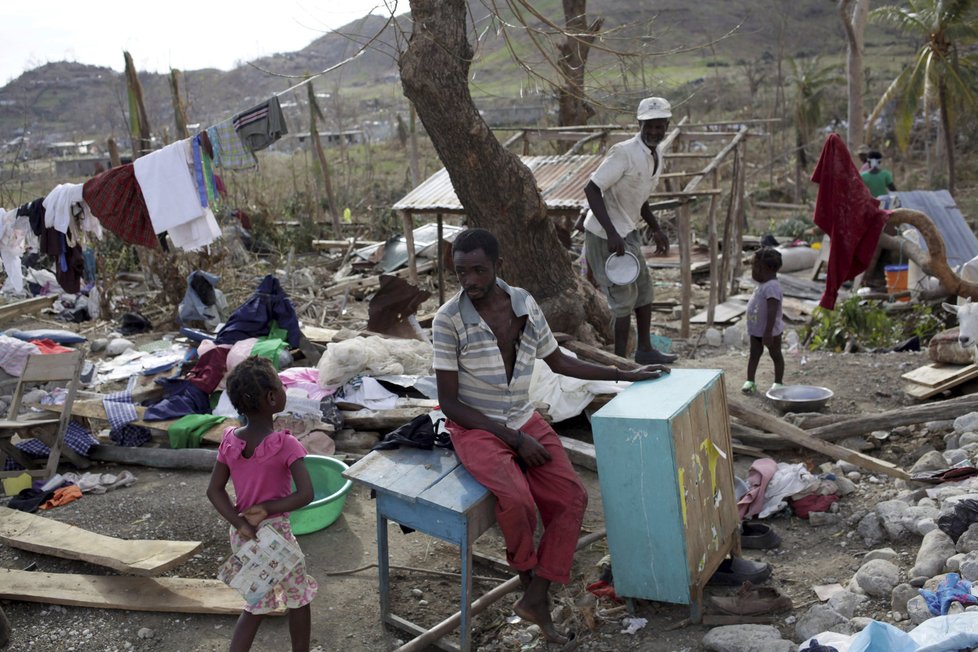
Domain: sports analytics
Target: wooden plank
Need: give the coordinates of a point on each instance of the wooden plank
(457, 491)
(796, 435)
(166, 594)
(725, 312)
(370, 281)
(50, 537)
(937, 373)
(27, 306)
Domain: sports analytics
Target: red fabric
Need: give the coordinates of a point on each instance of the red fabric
(117, 202)
(209, 370)
(602, 589)
(553, 488)
(814, 503)
(50, 346)
(848, 213)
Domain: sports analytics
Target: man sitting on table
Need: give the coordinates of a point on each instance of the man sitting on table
(486, 339)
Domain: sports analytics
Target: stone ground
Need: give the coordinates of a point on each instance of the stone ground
(172, 504)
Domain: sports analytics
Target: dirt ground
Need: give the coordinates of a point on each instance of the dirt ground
(172, 504)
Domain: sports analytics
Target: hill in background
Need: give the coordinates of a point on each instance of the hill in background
(73, 101)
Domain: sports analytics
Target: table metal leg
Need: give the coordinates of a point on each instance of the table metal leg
(465, 626)
(383, 568)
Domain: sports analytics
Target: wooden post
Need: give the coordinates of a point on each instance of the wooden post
(413, 132)
(738, 245)
(441, 266)
(712, 237)
(138, 120)
(685, 262)
(408, 220)
(317, 145)
(179, 110)
(114, 159)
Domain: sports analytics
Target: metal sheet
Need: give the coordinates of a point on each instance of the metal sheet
(959, 240)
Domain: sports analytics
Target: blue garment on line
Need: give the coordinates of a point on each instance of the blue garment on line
(951, 589)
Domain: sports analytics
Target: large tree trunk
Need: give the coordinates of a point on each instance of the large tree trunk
(854, 22)
(138, 120)
(572, 61)
(498, 191)
(948, 135)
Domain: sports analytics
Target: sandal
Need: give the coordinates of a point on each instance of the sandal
(749, 387)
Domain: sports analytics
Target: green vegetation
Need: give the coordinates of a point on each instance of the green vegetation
(858, 323)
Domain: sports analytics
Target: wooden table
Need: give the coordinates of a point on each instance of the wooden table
(431, 492)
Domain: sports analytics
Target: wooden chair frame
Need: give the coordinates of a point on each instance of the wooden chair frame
(42, 368)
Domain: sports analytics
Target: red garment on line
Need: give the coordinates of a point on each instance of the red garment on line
(553, 487)
(117, 201)
(848, 213)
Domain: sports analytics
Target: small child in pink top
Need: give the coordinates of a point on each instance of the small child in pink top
(262, 464)
(764, 321)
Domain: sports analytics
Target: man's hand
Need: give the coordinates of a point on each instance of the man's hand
(661, 242)
(254, 515)
(531, 451)
(648, 372)
(616, 244)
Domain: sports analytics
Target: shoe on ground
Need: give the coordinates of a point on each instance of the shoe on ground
(655, 356)
(758, 536)
(753, 600)
(777, 385)
(737, 570)
(749, 387)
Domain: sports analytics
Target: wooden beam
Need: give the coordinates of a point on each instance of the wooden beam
(370, 281)
(713, 164)
(50, 537)
(796, 435)
(27, 306)
(198, 459)
(685, 269)
(408, 220)
(166, 594)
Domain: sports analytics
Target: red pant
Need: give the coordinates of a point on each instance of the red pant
(553, 487)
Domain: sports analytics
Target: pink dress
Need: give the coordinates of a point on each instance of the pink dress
(262, 477)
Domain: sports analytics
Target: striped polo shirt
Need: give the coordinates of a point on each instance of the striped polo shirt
(463, 342)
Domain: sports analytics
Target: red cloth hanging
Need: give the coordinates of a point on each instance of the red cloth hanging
(117, 201)
(848, 213)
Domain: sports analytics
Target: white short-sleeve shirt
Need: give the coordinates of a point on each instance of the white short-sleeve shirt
(626, 177)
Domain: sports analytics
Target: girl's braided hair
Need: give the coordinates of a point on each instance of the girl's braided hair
(248, 381)
(769, 257)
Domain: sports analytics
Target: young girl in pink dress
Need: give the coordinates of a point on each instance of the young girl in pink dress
(262, 464)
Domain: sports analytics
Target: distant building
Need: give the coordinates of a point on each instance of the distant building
(80, 148)
(348, 137)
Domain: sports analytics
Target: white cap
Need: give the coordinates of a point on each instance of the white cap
(652, 108)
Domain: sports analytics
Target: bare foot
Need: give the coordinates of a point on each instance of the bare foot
(539, 615)
(525, 578)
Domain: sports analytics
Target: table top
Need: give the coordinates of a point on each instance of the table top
(432, 478)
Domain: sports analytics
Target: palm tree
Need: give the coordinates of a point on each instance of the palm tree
(810, 79)
(938, 72)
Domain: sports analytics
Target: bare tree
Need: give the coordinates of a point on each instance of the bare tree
(572, 61)
(497, 190)
(854, 15)
(179, 110)
(138, 120)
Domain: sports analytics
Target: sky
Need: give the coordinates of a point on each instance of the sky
(168, 34)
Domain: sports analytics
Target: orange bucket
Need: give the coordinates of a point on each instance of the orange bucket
(896, 279)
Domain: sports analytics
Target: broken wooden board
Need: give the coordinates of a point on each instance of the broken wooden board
(937, 373)
(724, 313)
(796, 435)
(166, 594)
(317, 334)
(26, 307)
(50, 537)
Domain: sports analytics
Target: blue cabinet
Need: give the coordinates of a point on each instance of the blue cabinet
(665, 469)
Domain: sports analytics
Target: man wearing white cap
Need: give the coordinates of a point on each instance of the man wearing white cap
(618, 195)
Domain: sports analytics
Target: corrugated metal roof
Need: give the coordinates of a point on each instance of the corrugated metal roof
(561, 180)
(960, 242)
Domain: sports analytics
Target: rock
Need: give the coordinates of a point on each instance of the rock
(953, 563)
(821, 618)
(955, 456)
(924, 525)
(877, 578)
(746, 638)
(934, 551)
(886, 554)
(98, 345)
(713, 337)
(902, 594)
(844, 603)
(145, 632)
(735, 335)
(119, 346)
(824, 518)
(917, 610)
(845, 485)
(932, 583)
(846, 467)
(855, 476)
(968, 541)
(859, 623)
(969, 566)
(856, 444)
(966, 422)
(968, 438)
(32, 396)
(892, 515)
(930, 461)
(871, 530)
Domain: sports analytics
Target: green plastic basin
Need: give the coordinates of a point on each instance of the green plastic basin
(329, 495)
